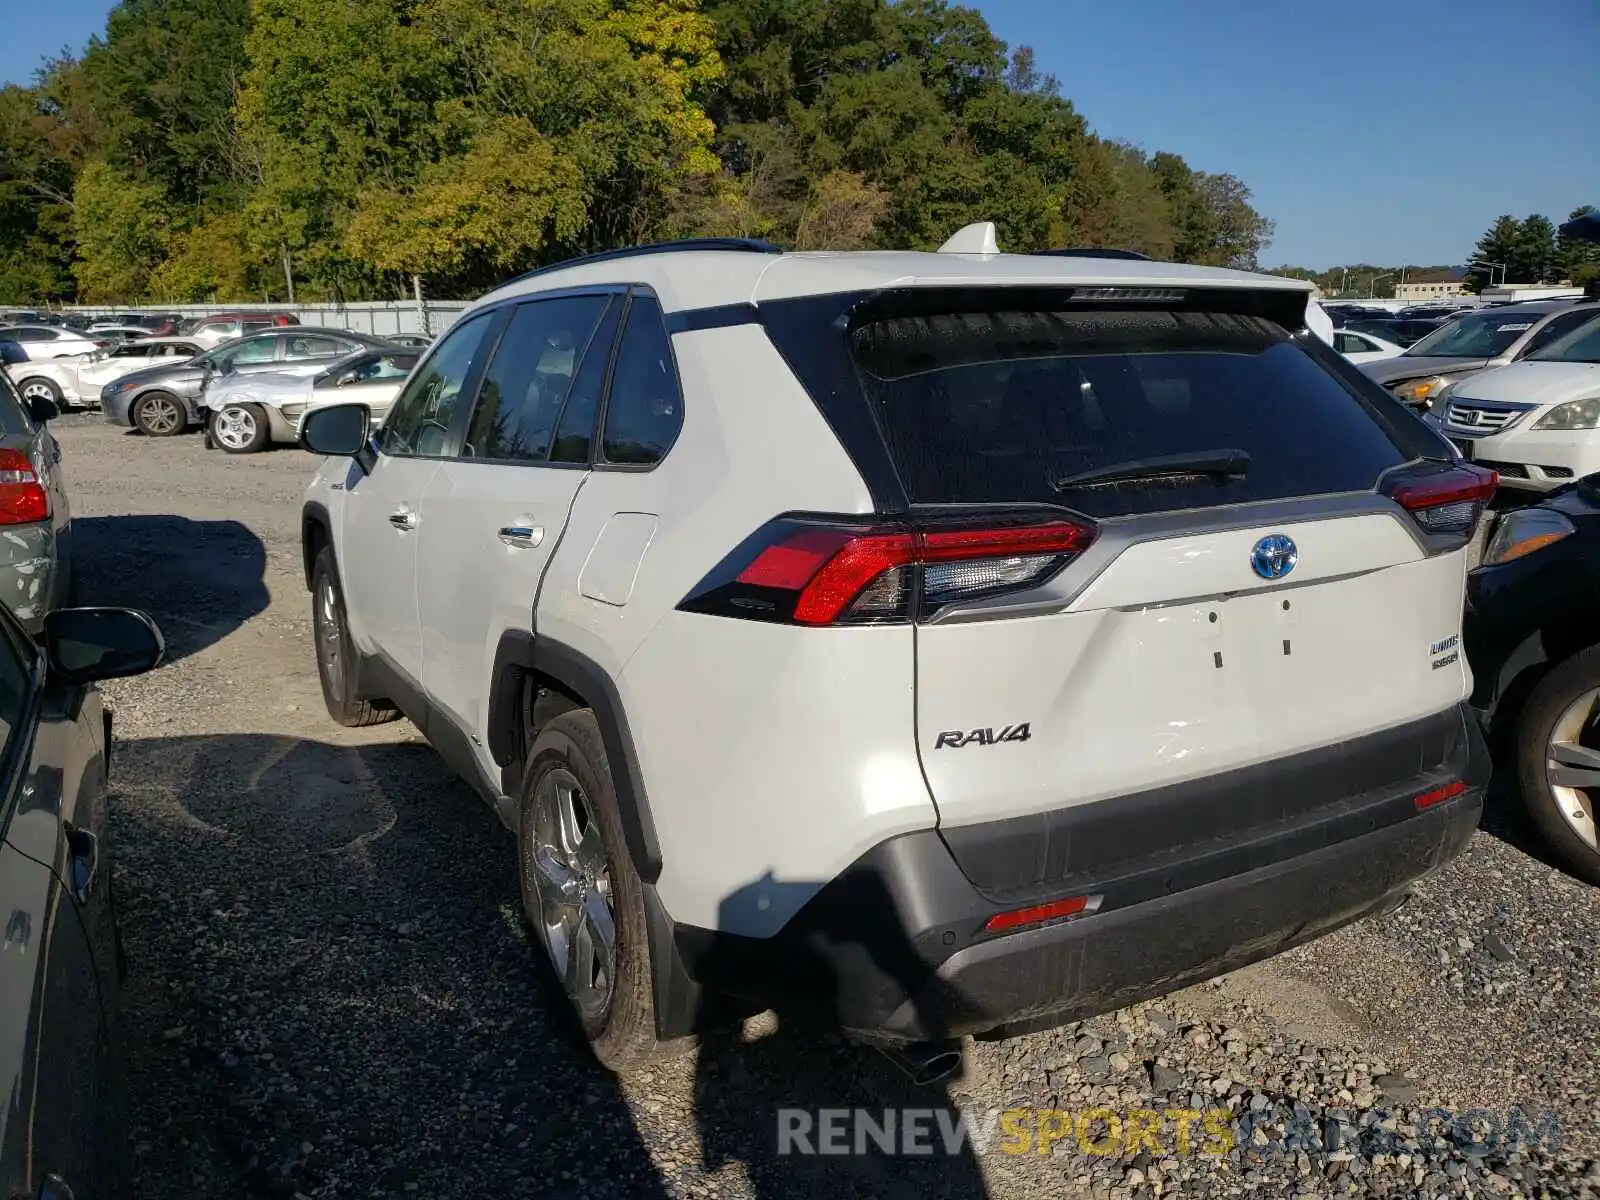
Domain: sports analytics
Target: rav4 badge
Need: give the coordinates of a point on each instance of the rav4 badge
(983, 737)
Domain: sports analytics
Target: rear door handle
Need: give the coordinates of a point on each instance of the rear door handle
(522, 536)
(403, 518)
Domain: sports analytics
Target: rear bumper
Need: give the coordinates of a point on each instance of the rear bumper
(895, 949)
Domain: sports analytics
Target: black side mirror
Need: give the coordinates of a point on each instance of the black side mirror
(42, 409)
(341, 430)
(89, 644)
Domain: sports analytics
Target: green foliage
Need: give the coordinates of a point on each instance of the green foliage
(122, 229)
(1578, 261)
(1520, 252)
(222, 149)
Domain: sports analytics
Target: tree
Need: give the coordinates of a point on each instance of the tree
(1577, 260)
(122, 229)
(1497, 256)
(1534, 258)
(161, 85)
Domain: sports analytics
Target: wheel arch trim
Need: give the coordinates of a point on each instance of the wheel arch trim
(521, 657)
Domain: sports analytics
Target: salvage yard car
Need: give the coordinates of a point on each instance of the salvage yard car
(248, 412)
(1472, 343)
(1536, 422)
(76, 382)
(946, 643)
(35, 515)
(62, 961)
(1534, 648)
(164, 400)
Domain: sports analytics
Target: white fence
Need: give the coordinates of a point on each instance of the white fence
(377, 317)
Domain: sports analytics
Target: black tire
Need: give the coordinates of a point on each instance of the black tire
(1553, 695)
(623, 1035)
(336, 671)
(46, 387)
(152, 411)
(241, 417)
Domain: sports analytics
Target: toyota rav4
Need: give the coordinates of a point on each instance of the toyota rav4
(948, 643)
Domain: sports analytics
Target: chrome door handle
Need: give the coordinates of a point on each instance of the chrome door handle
(403, 518)
(522, 537)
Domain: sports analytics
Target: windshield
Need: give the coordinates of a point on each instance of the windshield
(1486, 335)
(1582, 345)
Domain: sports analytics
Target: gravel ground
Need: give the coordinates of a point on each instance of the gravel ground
(332, 996)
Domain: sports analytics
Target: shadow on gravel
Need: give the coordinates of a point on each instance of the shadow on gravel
(176, 570)
(331, 993)
(774, 1104)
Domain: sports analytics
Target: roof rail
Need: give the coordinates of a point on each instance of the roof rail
(1093, 252)
(746, 245)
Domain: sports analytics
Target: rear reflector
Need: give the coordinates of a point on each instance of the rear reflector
(813, 572)
(1448, 501)
(1439, 795)
(23, 499)
(1040, 913)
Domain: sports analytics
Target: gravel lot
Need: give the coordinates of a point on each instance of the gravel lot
(331, 994)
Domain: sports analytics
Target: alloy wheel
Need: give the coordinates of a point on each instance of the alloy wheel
(1572, 765)
(565, 867)
(330, 639)
(37, 389)
(235, 428)
(159, 415)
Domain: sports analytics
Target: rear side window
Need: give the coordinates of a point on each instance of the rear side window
(302, 347)
(644, 410)
(527, 382)
(1008, 406)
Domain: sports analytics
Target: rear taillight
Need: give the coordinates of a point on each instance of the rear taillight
(821, 572)
(23, 499)
(101, 343)
(1447, 501)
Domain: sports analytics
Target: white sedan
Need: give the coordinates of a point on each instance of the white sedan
(76, 381)
(250, 411)
(1536, 422)
(51, 341)
(1364, 347)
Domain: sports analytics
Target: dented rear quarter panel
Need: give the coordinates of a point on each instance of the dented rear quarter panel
(34, 559)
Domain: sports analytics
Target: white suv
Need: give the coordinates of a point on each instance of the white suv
(953, 643)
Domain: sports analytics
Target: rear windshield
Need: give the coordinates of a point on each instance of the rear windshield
(1485, 335)
(982, 407)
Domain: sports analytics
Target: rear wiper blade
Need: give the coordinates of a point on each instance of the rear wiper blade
(1220, 464)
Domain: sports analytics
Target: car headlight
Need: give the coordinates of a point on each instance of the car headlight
(1423, 391)
(1522, 531)
(1575, 414)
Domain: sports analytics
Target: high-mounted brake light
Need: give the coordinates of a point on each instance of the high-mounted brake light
(1448, 501)
(816, 573)
(23, 499)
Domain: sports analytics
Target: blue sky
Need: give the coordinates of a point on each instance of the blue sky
(1390, 132)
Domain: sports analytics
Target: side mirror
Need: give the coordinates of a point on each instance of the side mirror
(89, 644)
(42, 409)
(341, 430)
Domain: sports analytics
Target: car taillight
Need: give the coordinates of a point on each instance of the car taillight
(23, 499)
(101, 343)
(1448, 501)
(824, 572)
